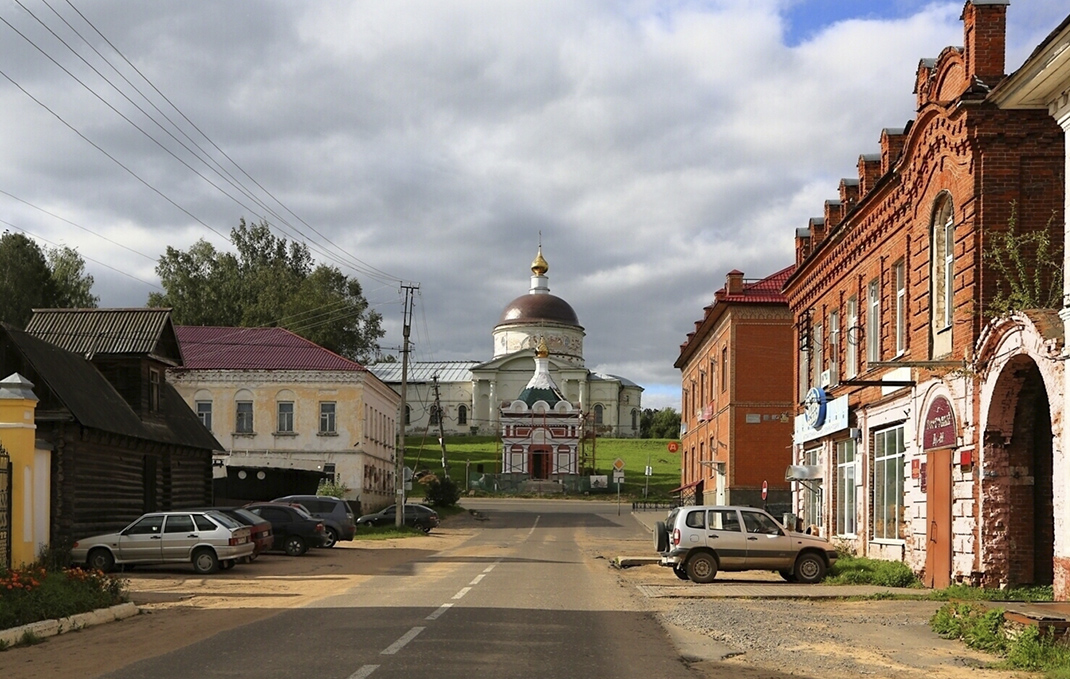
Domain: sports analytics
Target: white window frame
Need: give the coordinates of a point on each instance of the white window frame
(846, 488)
(284, 420)
(328, 417)
(243, 417)
(873, 321)
(889, 453)
(818, 351)
(834, 347)
(851, 367)
(812, 500)
(204, 412)
(899, 269)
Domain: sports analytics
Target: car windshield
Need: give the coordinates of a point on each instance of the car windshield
(223, 520)
(249, 516)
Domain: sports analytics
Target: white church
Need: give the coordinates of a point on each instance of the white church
(471, 394)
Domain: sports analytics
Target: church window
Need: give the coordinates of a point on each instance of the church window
(408, 415)
(635, 420)
(462, 415)
(434, 415)
(598, 413)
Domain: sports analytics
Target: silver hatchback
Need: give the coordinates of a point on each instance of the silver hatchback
(699, 541)
(208, 540)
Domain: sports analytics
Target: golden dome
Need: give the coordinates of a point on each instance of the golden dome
(542, 351)
(539, 267)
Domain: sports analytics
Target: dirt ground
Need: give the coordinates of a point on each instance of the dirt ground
(792, 639)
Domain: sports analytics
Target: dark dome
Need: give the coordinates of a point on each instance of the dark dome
(533, 308)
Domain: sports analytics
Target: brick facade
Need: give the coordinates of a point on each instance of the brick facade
(890, 299)
(736, 425)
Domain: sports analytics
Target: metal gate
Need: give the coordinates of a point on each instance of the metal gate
(5, 510)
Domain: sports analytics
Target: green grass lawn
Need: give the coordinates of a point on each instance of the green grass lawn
(425, 453)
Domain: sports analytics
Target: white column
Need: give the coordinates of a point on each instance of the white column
(1060, 109)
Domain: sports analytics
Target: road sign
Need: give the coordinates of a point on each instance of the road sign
(618, 464)
(649, 470)
(618, 477)
(765, 489)
(673, 446)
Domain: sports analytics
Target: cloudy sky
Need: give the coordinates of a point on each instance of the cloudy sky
(656, 145)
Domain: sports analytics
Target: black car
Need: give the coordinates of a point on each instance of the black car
(337, 517)
(295, 529)
(416, 516)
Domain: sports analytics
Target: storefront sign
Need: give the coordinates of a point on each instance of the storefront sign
(833, 418)
(938, 430)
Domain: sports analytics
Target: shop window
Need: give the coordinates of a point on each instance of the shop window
(888, 456)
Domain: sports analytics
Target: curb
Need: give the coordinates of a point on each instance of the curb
(50, 628)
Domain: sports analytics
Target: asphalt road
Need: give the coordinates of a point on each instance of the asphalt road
(521, 598)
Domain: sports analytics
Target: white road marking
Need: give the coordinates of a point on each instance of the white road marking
(464, 590)
(478, 578)
(364, 672)
(489, 568)
(441, 609)
(536, 524)
(400, 643)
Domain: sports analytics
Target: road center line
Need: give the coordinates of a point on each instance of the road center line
(364, 672)
(464, 590)
(536, 524)
(477, 579)
(489, 568)
(439, 611)
(400, 643)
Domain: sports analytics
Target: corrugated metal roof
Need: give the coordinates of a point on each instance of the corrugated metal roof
(424, 371)
(223, 348)
(765, 290)
(93, 402)
(92, 332)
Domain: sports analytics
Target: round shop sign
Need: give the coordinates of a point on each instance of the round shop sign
(814, 407)
(938, 431)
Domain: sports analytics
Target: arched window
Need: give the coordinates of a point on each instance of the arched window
(462, 415)
(942, 276)
(408, 414)
(434, 415)
(635, 420)
(598, 414)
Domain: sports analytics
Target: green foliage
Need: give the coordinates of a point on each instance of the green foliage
(72, 284)
(332, 489)
(387, 532)
(986, 629)
(1028, 268)
(967, 593)
(659, 424)
(35, 593)
(440, 492)
(856, 570)
(269, 282)
(29, 280)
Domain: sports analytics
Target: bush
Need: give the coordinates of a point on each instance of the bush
(856, 570)
(440, 492)
(1023, 648)
(34, 593)
(332, 489)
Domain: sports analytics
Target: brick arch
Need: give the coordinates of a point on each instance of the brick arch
(1020, 439)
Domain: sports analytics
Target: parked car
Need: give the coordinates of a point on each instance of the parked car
(337, 517)
(416, 516)
(701, 540)
(295, 529)
(207, 539)
(259, 528)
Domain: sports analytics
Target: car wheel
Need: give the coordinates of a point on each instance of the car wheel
(680, 572)
(809, 568)
(330, 538)
(702, 567)
(295, 545)
(661, 537)
(788, 575)
(425, 528)
(101, 560)
(205, 562)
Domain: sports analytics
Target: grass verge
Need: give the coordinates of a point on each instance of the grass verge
(35, 593)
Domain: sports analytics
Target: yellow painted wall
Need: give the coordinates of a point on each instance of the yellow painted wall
(29, 474)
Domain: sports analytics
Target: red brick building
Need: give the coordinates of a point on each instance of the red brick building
(736, 370)
(926, 433)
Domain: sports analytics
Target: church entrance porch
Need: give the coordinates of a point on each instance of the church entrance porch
(539, 462)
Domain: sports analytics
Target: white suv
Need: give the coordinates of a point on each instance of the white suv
(698, 541)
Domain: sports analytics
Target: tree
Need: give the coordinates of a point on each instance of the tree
(1028, 268)
(659, 424)
(73, 284)
(269, 282)
(29, 280)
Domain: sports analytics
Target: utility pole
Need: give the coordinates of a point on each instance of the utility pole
(399, 459)
(441, 429)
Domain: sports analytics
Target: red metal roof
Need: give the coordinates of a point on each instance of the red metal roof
(215, 348)
(768, 289)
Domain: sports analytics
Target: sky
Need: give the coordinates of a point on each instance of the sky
(653, 146)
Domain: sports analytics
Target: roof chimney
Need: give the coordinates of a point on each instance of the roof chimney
(734, 282)
(985, 31)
